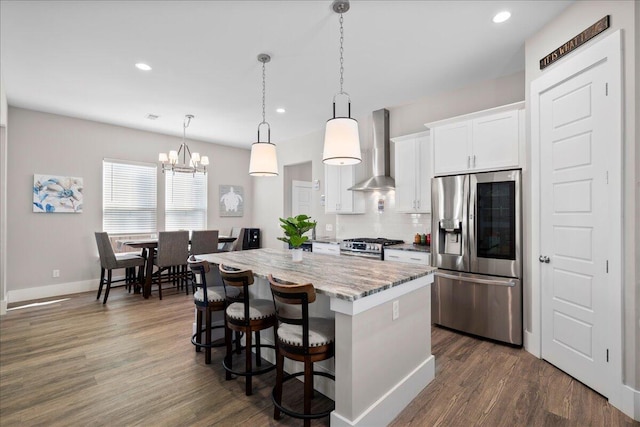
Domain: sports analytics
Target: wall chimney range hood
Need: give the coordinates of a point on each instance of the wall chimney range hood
(380, 179)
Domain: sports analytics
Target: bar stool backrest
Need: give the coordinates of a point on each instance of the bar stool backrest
(291, 301)
(199, 269)
(238, 278)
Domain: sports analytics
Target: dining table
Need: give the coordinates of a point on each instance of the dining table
(148, 246)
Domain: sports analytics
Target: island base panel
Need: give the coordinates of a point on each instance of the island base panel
(387, 362)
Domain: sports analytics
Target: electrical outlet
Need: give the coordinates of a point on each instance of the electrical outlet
(396, 310)
(329, 227)
(55, 273)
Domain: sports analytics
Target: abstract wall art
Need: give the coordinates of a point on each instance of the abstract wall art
(57, 194)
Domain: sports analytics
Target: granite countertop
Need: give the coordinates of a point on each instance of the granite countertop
(348, 278)
(326, 239)
(410, 247)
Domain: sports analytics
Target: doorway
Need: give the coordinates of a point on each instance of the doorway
(300, 172)
(576, 112)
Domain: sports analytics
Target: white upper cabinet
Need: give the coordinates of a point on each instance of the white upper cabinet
(413, 172)
(338, 199)
(485, 140)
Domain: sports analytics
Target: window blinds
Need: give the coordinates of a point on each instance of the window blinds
(185, 201)
(129, 197)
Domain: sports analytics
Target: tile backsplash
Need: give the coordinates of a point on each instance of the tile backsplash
(387, 223)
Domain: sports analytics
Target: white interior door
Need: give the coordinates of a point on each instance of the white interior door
(577, 125)
(301, 198)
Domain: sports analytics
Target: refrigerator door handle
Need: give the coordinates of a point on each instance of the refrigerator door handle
(507, 282)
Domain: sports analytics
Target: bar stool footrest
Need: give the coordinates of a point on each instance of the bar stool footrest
(255, 371)
(204, 330)
(294, 414)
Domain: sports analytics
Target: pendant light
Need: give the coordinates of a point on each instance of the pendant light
(341, 137)
(264, 161)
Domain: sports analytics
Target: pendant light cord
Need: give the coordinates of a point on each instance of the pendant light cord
(264, 84)
(185, 125)
(341, 53)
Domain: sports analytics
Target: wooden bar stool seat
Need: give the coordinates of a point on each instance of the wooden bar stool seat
(247, 315)
(301, 338)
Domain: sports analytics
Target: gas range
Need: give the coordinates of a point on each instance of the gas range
(366, 247)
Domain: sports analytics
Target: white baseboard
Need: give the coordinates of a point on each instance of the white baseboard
(3, 307)
(385, 409)
(628, 402)
(48, 291)
(531, 344)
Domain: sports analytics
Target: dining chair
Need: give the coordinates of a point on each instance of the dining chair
(238, 243)
(173, 251)
(204, 242)
(302, 338)
(110, 261)
(248, 315)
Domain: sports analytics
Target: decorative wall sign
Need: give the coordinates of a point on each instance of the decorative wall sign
(231, 200)
(54, 194)
(575, 42)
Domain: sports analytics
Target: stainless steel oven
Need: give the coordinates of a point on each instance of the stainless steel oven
(366, 247)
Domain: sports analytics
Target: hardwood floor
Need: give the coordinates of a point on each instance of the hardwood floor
(131, 362)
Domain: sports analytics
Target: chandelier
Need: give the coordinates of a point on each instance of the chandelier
(341, 137)
(263, 160)
(195, 163)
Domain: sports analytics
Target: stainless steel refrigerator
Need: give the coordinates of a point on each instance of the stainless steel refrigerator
(477, 246)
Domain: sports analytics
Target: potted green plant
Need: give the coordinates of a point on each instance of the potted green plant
(294, 228)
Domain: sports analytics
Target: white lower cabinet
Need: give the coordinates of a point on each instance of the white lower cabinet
(408, 257)
(325, 248)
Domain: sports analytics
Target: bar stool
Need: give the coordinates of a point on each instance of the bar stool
(247, 315)
(208, 299)
(300, 338)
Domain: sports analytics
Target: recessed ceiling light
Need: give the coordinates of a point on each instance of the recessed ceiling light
(501, 17)
(143, 67)
(280, 110)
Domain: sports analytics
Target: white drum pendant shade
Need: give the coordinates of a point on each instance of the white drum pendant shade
(264, 161)
(341, 142)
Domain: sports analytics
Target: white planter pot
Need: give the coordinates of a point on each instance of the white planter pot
(296, 255)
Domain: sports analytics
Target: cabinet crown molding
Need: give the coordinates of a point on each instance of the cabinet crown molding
(515, 106)
(411, 136)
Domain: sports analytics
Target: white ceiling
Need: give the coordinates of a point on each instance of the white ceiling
(77, 58)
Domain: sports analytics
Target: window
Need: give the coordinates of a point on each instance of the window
(129, 197)
(185, 201)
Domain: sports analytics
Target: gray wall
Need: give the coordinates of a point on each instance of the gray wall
(624, 15)
(59, 145)
(3, 192)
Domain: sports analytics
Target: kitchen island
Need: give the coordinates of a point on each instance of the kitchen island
(382, 317)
